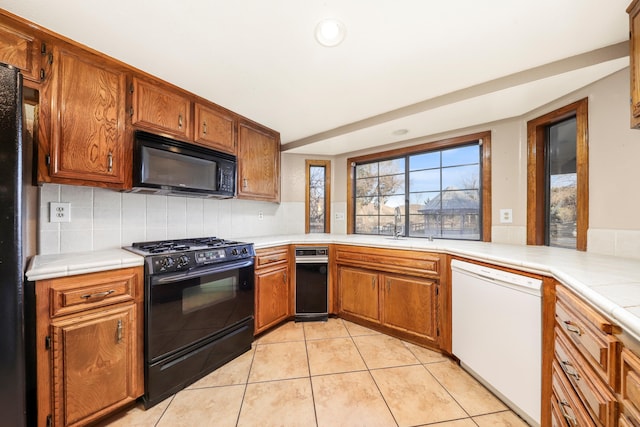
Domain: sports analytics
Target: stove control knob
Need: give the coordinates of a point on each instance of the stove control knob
(234, 251)
(183, 261)
(244, 251)
(166, 262)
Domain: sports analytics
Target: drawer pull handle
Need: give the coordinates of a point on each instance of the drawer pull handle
(180, 121)
(373, 283)
(568, 369)
(98, 295)
(570, 418)
(572, 328)
(119, 331)
(204, 128)
(110, 162)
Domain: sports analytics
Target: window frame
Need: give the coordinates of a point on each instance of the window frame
(485, 167)
(536, 172)
(327, 194)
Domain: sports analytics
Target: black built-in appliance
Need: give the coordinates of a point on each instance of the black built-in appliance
(311, 283)
(169, 167)
(18, 212)
(199, 297)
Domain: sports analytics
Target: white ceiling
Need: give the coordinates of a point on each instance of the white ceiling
(420, 65)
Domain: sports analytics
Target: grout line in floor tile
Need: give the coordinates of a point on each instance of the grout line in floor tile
(448, 392)
(246, 384)
(173, 396)
(313, 397)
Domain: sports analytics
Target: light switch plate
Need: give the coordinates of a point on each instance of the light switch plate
(59, 212)
(339, 216)
(506, 216)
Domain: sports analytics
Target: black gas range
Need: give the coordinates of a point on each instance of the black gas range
(166, 256)
(199, 299)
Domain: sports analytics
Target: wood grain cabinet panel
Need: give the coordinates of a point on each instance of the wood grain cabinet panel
(407, 304)
(86, 138)
(93, 361)
(20, 49)
(358, 293)
(158, 108)
(89, 348)
(215, 128)
(630, 384)
(596, 396)
(567, 401)
(272, 288)
(258, 163)
(587, 331)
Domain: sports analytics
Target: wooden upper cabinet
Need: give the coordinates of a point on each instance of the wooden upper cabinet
(258, 163)
(160, 109)
(20, 49)
(214, 128)
(634, 55)
(83, 121)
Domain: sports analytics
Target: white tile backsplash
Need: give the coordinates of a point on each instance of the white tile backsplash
(106, 219)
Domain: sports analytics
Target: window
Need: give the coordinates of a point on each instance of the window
(557, 201)
(317, 197)
(439, 189)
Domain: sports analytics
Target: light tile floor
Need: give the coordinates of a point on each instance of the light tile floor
(329, 374)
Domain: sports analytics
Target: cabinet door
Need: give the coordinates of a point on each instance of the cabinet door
(634, 56)
(158, 108)
(93, 364)
(214, 128)
(272, 297)
(358, 293)
(409, 304)
(258, 163)
(87, 121)
(21, 50)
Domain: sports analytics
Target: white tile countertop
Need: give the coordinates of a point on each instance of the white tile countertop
(69, 264)
(611, 284)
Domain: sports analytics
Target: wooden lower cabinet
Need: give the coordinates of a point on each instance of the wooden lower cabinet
(90, 353)
(358, 293)
(394, 291)
(408, 304)
(93, 361)
(272, 288)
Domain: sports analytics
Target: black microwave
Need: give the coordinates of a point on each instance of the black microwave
(169, 167)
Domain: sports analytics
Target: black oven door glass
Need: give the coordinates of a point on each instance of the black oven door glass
(185, 309)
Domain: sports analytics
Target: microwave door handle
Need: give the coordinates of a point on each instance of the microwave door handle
(219, 183)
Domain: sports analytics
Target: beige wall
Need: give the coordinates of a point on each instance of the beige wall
(614, 170)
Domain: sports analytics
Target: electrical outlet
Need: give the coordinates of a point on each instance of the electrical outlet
(260, 215)
(506, 216)
(59, 212)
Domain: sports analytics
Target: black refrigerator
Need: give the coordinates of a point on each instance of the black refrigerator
(18, 204)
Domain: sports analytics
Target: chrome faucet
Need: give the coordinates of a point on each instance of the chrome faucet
(397, 218)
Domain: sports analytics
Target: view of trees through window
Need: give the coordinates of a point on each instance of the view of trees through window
(562, 184)
(438, 193)
(318, 191)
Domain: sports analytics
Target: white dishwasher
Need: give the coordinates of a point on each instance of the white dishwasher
(496, 333)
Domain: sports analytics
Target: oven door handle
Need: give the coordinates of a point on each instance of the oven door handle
(163, 279)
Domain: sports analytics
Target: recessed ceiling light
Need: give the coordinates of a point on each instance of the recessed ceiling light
(399, 132)
(330, 32)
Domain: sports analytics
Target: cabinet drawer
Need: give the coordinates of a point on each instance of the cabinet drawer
(593, 392)
(77, 293)
(587, 331)
(567, 401)
(271, 256)
(630, 384)
(413, 263)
